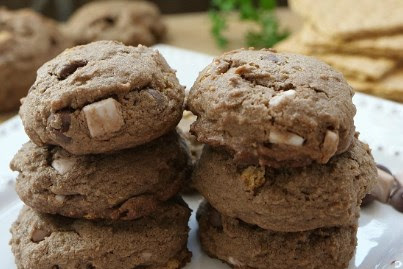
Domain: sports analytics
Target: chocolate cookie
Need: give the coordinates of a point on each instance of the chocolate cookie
(288, 199)
(124, 185)
(130, 22)
(49, 241)
(246, 246)
(27, 40)
(102, 97)
(274, 109)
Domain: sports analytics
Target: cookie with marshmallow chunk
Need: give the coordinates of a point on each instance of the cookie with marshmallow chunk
(102, 97)
(127, 184)
(288, 199)
(273, 109)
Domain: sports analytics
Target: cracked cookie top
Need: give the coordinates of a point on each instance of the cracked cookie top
(102, 97)
(274, 109)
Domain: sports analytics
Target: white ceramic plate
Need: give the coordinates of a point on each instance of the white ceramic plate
(380, 236)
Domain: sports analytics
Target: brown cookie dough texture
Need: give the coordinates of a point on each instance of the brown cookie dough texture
(102, 97)
(274, 109)
(49, 241)
(246, 246)
(288, 199)
(130, 22)
(27, 40)
(125, 185)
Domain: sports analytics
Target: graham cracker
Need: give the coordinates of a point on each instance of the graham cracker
(357, 66)
(360, 67)
(390, 87)
(352, 19)
(382, 46)
(293, 44)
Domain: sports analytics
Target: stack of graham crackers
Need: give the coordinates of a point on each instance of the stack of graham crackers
(282, 170)
(361, 38)
(101, 175)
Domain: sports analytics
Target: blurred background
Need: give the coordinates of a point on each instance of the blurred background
(62, 9)
(189, 22)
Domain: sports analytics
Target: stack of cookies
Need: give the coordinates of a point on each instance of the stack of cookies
(361, 38)
(283, 171)
(101, 175)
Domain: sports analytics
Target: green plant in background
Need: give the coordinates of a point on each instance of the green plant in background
(261, 12)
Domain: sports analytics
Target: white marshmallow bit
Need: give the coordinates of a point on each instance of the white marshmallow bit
(330, 144)
(38, 235)
(277, 137)
(331, 139)
(146, 255)
(234, 261)
(63, 165)
(60, 198)
(103, 117)
(279, 98)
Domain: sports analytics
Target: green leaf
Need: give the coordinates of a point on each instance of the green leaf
(247, 10)
(224, 5)
(218, 25)
(267, 4)
(270, 32)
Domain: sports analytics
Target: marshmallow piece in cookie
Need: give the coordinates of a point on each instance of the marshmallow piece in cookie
(330, 144)
(38, 235)
(235, 262)
(146, 255)
(103, 117)
(63, 165)
(60, 198)
(279, 98)
(277, 137)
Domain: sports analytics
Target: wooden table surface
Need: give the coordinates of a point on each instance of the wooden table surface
(192, 31)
